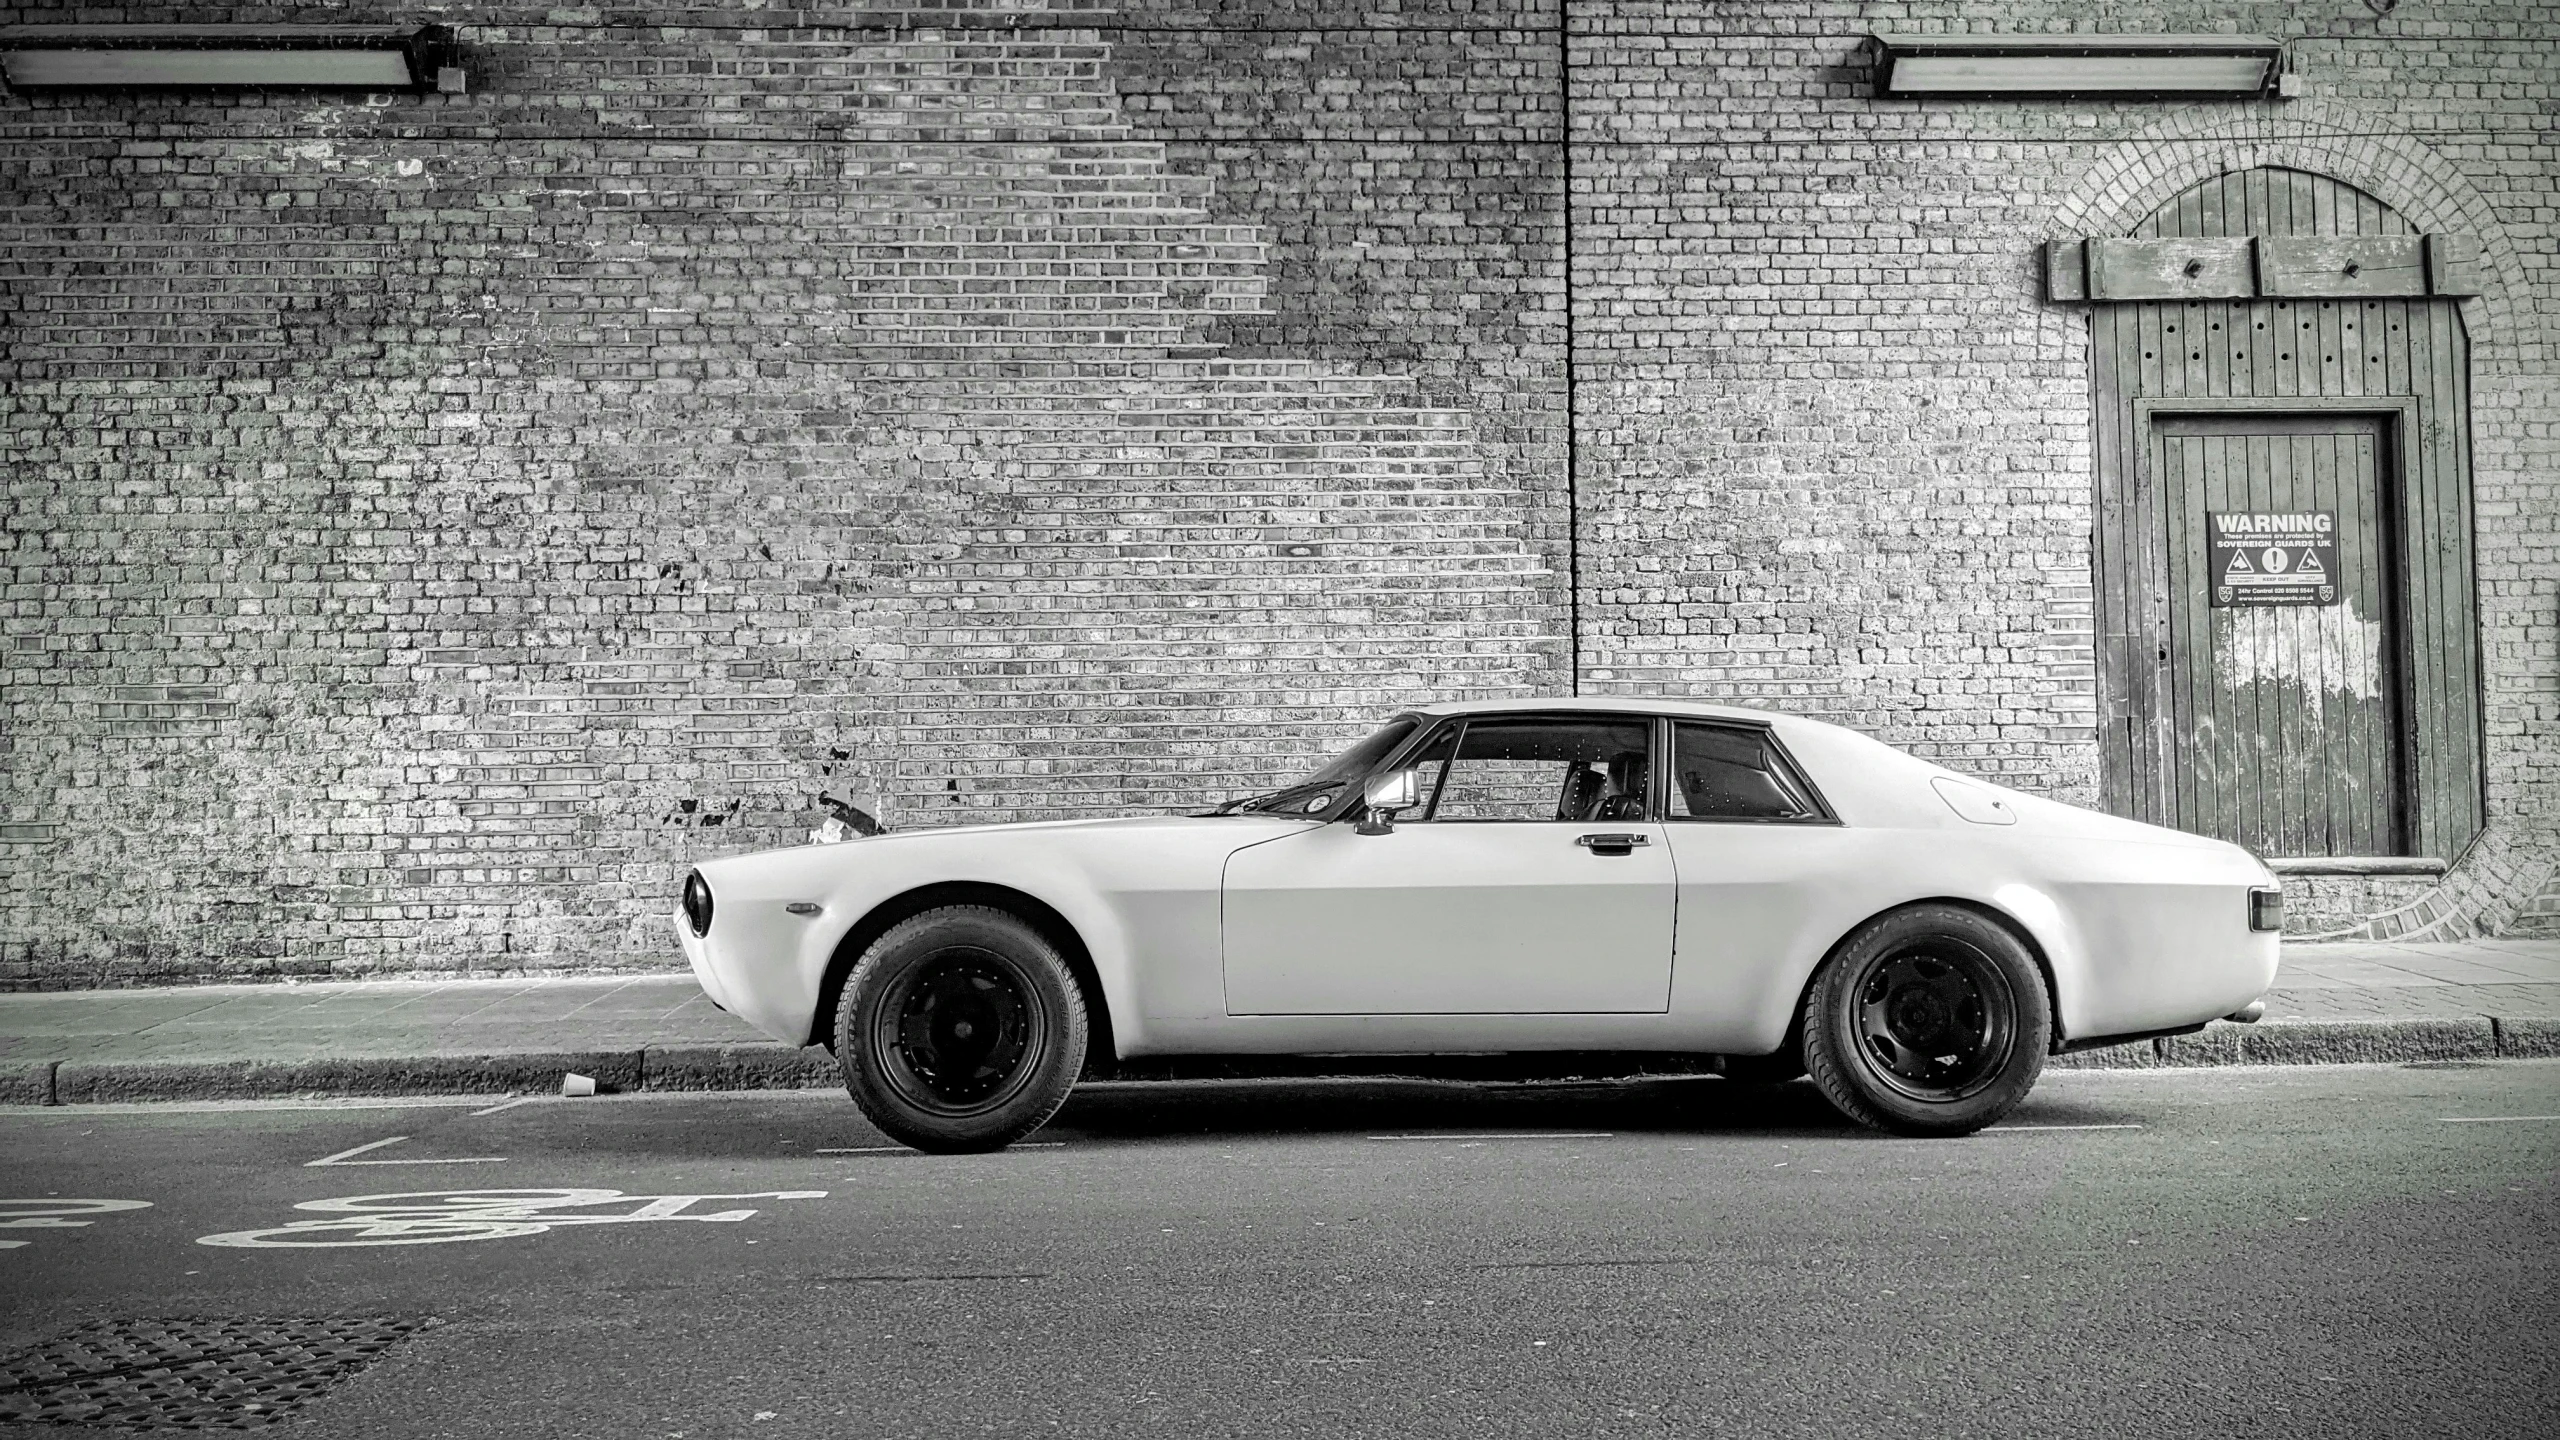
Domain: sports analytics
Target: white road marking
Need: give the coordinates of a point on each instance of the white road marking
(2013, 1129)
(52, 1213)
(436, 1161)
(437, 1217)
(343, 1157)
(2491, 1119)
(1513, 1135)
(506, 1105)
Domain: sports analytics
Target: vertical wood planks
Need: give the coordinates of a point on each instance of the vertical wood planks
(2323, 768)
(2116, 570)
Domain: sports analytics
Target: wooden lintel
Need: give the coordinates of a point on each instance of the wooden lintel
(2103, 268)
(2175, 269)
(2353, 265)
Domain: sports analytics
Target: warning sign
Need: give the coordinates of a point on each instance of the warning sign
(2264, 558)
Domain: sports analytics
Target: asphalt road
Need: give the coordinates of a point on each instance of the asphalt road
(2319, 1251)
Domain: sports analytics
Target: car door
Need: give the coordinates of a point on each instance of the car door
(1534, 880)
(1763, 866)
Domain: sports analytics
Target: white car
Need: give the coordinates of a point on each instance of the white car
(1628, 879)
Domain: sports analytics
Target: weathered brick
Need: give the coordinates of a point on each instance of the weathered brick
(434, 521)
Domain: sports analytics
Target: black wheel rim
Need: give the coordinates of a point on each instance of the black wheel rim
(961, 1032)
(1935, 1020)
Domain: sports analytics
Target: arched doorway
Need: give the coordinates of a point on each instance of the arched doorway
(2288, 633)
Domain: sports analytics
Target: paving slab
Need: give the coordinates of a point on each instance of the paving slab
(2530, 959)
(2411, 1001)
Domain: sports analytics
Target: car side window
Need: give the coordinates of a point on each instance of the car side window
(1732, 772)
(1540, 769)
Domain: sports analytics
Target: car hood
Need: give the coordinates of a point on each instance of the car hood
(1016, 827)
(1245, 829)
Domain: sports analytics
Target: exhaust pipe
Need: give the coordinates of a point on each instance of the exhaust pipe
(2248, 1014)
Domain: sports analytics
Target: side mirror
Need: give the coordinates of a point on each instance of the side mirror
(1385, 795)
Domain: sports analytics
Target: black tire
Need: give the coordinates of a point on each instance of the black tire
(961, 1030)
(1929, 1021)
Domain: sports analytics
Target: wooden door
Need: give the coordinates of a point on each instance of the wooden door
(2360, 402)
(2284, 718)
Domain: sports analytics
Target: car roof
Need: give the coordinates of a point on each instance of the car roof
(1613, 705)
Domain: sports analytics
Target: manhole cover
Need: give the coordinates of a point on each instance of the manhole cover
(191, 1374)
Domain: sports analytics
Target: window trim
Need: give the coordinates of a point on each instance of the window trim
(1354, 797)
(1653, 755)
(1658, 803)
(1824, 814)
(1424, 735)
(1440, 782)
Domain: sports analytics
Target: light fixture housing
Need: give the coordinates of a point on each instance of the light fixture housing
(230, 57)
(2064, 65)
(697, 903)
(2266, 908)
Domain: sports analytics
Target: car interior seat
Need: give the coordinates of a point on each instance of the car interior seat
(1584, 790)
(1624, 797)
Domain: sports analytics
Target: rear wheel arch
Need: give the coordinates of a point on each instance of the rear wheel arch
(1932, 1018)
(1030, 909)
(2017, 930)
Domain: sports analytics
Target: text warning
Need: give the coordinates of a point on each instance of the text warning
(2273, 558)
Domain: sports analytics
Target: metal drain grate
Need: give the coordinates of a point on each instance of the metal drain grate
(191, 1374)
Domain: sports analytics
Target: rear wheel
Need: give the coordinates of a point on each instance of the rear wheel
(961, 1030)
(1929, 1021)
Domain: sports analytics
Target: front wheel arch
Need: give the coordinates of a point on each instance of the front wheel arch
(1030, 909)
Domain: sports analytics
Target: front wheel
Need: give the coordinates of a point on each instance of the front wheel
(1929, 1021)
(961, 1030)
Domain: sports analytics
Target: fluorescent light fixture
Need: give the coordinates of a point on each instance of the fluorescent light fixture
(2076, 64)
(362, 57)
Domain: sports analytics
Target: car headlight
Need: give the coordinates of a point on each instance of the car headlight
(697, 903)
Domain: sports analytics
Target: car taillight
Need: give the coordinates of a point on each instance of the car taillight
(697, 903)
(2266, 908)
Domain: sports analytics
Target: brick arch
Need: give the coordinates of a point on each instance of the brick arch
(2510, 331)
(2154, 165)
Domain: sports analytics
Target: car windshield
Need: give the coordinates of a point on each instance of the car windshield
(1320, 789)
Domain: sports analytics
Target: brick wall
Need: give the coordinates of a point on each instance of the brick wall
(434, 521)
(438, 520)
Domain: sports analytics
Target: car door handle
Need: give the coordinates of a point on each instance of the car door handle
(1611, 844)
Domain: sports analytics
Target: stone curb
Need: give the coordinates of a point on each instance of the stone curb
(79, 1081)
(737, 1067)
(27, 1082)
(2529, 1039)
(777, 1067)
(2327, 1042)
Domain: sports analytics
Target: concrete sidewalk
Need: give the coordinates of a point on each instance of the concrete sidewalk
(2334, 1002)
